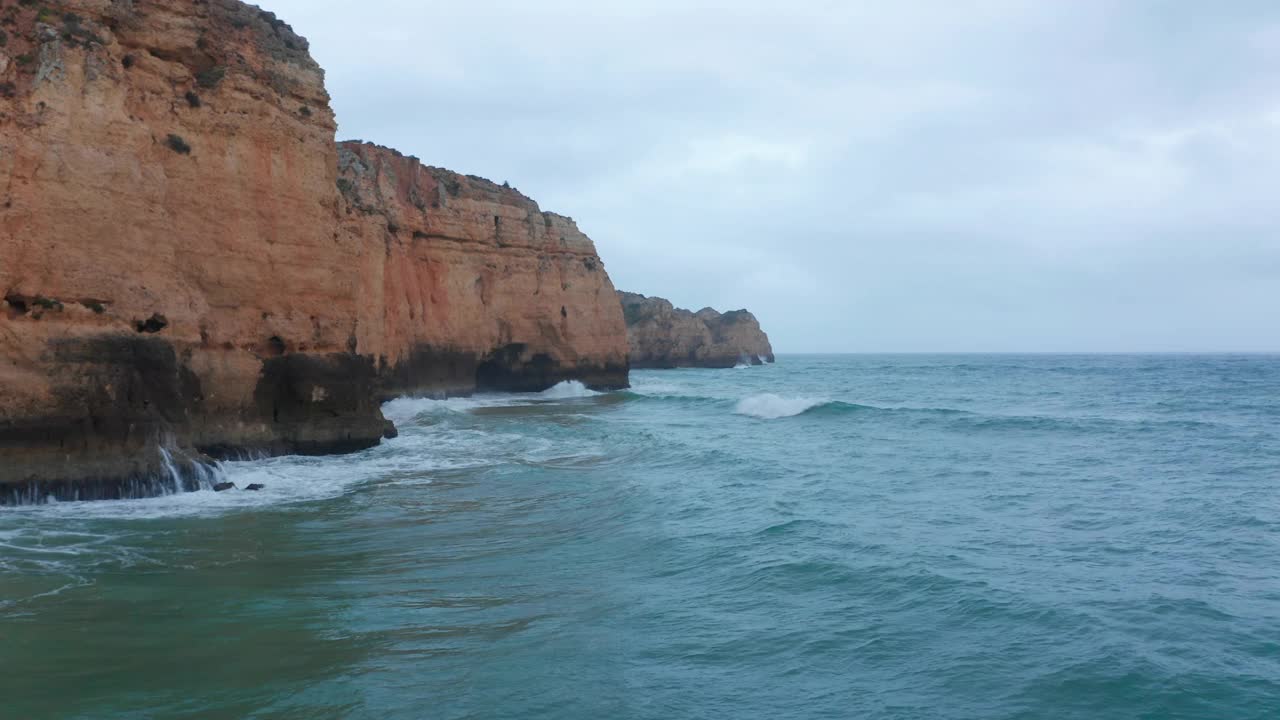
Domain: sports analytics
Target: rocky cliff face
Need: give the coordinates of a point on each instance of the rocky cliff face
(182, 266)
(472, 283)
(663, 336)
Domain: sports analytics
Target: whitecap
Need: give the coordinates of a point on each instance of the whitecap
(287, 479)
(404, 409)
(771, 407)
(653, 388)
(426, 445)
(567, 390)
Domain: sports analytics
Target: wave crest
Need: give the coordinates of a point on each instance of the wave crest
(568, 389)
(771, 407)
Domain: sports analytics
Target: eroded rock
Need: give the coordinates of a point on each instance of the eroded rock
(663, 336)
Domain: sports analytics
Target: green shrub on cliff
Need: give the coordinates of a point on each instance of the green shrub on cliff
(73, 31)
(211, 77)
(633, 313)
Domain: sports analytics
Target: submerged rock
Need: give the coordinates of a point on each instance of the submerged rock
(661, 335)
(389, 431)
(255, 487)
(224, 486)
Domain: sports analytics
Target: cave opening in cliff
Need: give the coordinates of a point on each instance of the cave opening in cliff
(151, 325)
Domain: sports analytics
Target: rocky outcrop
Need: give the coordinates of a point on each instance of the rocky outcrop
(663, 336)
(473, 284)
(185, 273)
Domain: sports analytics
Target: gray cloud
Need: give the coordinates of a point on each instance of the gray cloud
(991, 175)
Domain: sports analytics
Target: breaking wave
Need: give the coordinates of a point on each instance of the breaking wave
(435, 436)
(567, 390)
(405, 409)
(771, 407)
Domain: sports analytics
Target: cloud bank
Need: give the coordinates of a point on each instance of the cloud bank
(919, 176)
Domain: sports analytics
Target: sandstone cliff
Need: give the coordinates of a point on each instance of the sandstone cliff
(472, 283)
(183, 266)
(663, 336)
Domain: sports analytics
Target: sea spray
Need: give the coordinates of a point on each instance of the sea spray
(404, 409)
(174, 472)
(884, 554)
(769, 406)
(566, 390)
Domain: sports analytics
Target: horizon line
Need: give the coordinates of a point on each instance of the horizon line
(1029, 352)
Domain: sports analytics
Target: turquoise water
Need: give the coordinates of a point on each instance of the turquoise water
(830, 537)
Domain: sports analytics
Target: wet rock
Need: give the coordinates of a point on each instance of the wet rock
(222, 487)
(255, 487)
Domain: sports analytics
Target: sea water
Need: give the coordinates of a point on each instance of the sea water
(828, 537)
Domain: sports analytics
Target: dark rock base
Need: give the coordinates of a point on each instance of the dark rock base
(126, 397)
(183, 476)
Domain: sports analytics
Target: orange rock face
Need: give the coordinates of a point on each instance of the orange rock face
(664, 336)
(473, 283)
(180, 268)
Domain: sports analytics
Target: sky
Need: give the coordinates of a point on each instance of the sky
(916, 176)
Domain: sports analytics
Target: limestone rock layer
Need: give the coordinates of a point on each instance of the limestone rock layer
(663, 336)
(190, 263)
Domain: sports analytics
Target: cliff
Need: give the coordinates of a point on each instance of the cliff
(473, 284)
(663, 336)
(183, 267)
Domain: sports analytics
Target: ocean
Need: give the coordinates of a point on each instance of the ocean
(865, 536)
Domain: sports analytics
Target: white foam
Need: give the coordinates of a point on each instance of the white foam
(405, 409)
(645, 386)
(425, 445)
(772, 407)
(287, 480)
(567, 390)
(421, 450)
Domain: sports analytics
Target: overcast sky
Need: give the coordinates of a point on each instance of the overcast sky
(1082, 175)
